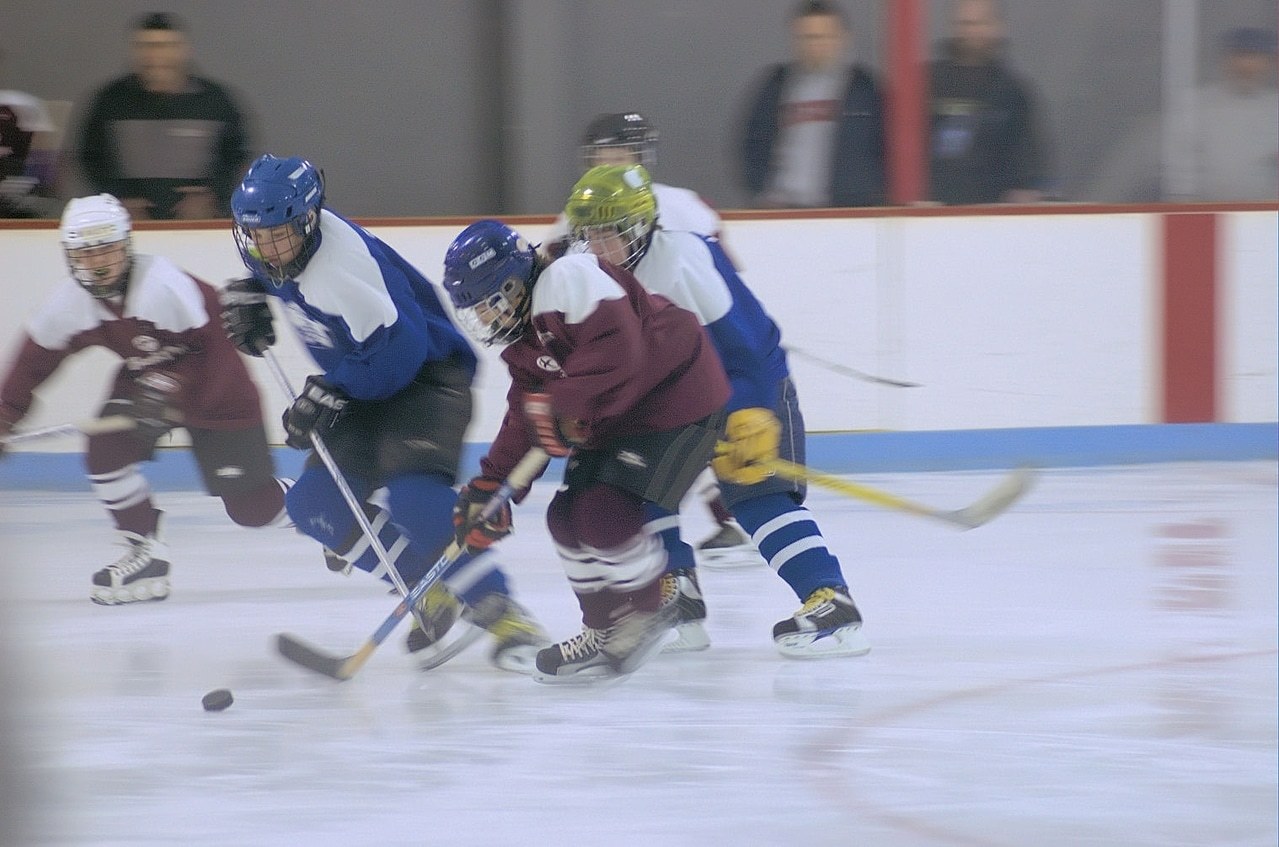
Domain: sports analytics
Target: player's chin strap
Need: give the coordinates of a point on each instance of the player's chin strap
(344, 667)
(352, 503)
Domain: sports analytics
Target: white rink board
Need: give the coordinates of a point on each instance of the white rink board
(1006, 321)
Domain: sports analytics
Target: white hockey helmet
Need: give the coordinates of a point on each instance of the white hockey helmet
(97, 240)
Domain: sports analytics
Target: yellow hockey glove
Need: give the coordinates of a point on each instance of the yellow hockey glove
(753, 435)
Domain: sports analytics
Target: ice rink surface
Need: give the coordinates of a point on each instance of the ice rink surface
(1095, 667)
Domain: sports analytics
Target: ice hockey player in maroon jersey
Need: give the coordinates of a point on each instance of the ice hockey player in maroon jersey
(624, 384)
(178, 369)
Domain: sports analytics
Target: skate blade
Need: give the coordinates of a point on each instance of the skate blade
(689, 638)
(521, 659)
(144, 590)
(595, 675)
(729, 558)
(849, 641)
(430, 658)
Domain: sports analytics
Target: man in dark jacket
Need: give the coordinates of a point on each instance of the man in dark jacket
(814, 136)
(984, 146)
(167, 143)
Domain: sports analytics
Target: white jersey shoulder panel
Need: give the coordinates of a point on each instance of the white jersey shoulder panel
(574, 285)
(679, 266)
(683, 210)
(344, 279)
(162, 293)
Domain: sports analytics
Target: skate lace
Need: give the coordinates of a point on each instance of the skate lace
(581, 646)
(135, 559)
(816, 600)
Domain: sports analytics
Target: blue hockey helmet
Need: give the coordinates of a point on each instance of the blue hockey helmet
(488, 274)
(276, 210)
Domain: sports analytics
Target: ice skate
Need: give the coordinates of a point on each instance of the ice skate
(828, 625)
(438, 642)
(681, 588)
(575, 660)
(142, 573)
(637, 637)
(518, 637)
(336, 563)
(729, 547)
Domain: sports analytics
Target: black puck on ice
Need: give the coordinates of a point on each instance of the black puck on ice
(217, 700)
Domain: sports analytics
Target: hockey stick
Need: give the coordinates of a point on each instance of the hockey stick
(845, 370)
(357, 510)
(94, 426)
(990, 506)
(344, 667)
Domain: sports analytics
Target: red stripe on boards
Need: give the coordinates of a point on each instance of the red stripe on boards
(1190, 318)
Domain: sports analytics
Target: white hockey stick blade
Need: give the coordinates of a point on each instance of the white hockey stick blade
(997, 501)
(94, 426)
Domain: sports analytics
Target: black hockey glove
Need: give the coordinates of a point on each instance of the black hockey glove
(151, 404)
(246, 317)
(471, 533)
(317, 409)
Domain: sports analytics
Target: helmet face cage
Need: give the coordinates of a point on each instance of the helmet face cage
(612, 210)
(488, 273)
(276, 210)
(625, 138)
(97, 241)
(499, 318)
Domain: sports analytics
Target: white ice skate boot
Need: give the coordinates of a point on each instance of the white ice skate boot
(828, 625)
(681, 588)
(142, 573)
(729, 547)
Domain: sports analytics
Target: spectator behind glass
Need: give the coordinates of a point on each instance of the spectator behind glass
(814, 133)
(984, 145)
(168, 143)
(22, 116)
(1227, 144)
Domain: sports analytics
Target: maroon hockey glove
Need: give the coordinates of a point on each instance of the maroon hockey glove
(317, 409)
(470, 532)
(154, 396)
(557, 437)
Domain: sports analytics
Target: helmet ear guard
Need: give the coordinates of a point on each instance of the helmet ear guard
(97, 240)
(488, 274)
(612, 208)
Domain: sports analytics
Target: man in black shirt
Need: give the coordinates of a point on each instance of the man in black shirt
(168, 143)
(984, 146)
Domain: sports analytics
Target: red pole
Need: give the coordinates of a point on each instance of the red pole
(907, 101)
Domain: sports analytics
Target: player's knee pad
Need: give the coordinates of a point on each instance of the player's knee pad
(599, 516)
(318, 509)
(422, 504)
(258, 507)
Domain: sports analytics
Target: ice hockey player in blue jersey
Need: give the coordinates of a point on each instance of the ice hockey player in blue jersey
(392, 401)
(613, 210)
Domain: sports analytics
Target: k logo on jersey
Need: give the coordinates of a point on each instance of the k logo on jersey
(312, 332)
(546, 363)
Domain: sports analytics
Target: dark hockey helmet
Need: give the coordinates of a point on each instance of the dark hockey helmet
(621, 138)
(488, 274)
(276, 214)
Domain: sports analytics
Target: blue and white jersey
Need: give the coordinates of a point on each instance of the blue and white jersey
(694, 272)
(369, 318)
